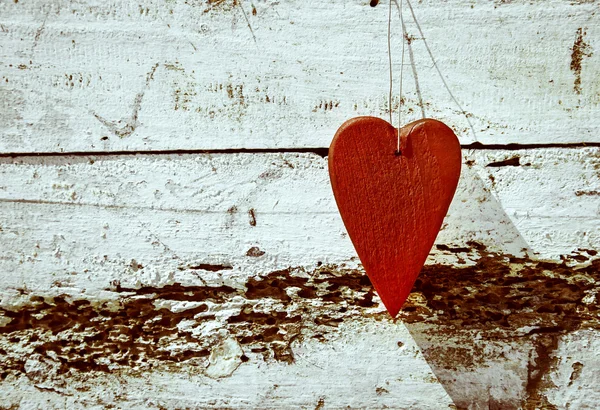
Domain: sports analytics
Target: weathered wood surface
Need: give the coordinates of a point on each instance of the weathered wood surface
(173, 75)
(227, 280)
(502, 334)
(166, 271)
(89, 221)
(172, 373)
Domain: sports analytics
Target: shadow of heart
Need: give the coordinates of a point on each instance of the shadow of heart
(491, 330)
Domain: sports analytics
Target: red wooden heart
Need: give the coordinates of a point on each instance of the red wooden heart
(393, 205)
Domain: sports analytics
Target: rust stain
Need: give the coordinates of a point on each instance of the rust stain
(79, 335)
(255, 252)
(549, 291)
(183, 98)
(274, 331)
(539, 366)
(580, 50)
(381, 390)
(252, 216)
(236, 92)
(326, 105)
(498, 297)
(219, 5)
(136, 333)
(180, 293)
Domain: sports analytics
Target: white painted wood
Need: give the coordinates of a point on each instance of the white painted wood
(154, 75)
(179, 75)
(361, 367)
(81, 222)
(552, 198)
(76, 226)
(577, 367)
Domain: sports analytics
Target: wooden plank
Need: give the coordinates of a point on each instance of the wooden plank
(518, 333)
(85, 222)
(551, 196)
(501, 331)
(179, 75)
(365, 360)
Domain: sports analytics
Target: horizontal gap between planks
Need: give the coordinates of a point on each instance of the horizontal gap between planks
(320, 151)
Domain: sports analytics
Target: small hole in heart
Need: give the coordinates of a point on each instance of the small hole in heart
(397, 153)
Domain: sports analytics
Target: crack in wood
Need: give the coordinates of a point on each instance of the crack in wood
(510, 162)
(210, 267)
(322, 152)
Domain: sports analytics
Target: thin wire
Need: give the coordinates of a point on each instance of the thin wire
(401, 72)
(438, 69)
(389, 39)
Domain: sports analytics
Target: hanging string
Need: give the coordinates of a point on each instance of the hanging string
(398, 152)
(442, 78)
(389, 38)
(437, 68)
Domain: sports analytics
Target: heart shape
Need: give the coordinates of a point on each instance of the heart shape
(393, 205)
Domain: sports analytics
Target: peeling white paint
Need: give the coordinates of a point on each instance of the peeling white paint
(184, 75)
(178, 75)
(224, 359)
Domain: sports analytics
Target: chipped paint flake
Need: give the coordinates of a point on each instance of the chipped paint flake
(224, 358)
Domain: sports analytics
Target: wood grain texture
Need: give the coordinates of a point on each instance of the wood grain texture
(393, 189)
(255, 384)
(228, 280)
(75, 219)
(154, 75)
(133, 281)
